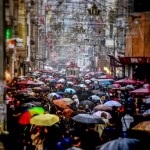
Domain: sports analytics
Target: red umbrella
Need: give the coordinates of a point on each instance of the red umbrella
(141, 91)
(27, 82)
(127, 81)
(27, 115)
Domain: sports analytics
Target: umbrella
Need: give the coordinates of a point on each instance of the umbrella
(82, 85)
(68, 101)
(31, 104)
(70, 83)
(114, 86)
(70, 90)
(143, 126)
(146, 113)
(51, 95)
(44, 120)
(147, 100)
(60, 93)
(103, 107)
(58, 85)
(98, 113)
(87, 81)
(95, 99)
(121, 144)
(60, 103)
(36, 110)
(105, 77)
(37, 88)
(99, 93)
(28, 82)
(141, 91)
(86, 103)
(127, 81)
(26, 116)
(104, 83)
(88, 119)
(112, 103)
(61, 80)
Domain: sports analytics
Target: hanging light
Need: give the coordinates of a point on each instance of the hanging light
(94, 11)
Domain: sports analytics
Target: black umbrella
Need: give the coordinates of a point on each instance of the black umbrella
(88, 119)
(122, 144)
(87, 103)
(31, 104)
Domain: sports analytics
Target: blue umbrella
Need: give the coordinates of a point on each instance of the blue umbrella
(104, 83)
(69, 90)
(60, 93)
(122, 144)
(52, 80)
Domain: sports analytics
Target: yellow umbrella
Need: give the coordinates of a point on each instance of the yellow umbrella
(143, 126)
(44, 119)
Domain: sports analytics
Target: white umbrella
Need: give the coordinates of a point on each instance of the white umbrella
(51, 95)
(61, 80)
(87, 81)
(70, 83)
(98, 113)
(82, 85)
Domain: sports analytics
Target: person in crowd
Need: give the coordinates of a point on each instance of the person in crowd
(126, 121)
(90, 133)
(76, 143)
(101, 127)
(37, 137)
(64, 144)
(76, 101)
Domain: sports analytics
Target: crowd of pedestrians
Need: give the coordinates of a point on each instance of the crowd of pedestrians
(68, 134)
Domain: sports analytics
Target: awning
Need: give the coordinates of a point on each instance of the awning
(114, 61)
(134, 60)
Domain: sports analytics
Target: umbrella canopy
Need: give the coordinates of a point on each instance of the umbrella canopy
(51, 95)
(70, 90)
(141, 91)
(98, 113)
(87, 81)
(102, 107)
(60, 103)
(87, 103)
(106, 76)
(99, 93)
(146, 113)
(88, 119)
(104, 83)
(61, 80)
(127, 81)
(27, 115)
(70, 83)
(37, 88)
(44, 119)
(112, 103)
(28, 82)
(68, 101)
(143, 126)
(116, 85)
(82, 85)
(31, 104)
(95, 99)
(36, 110)
(146, 100)
(121, 144)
